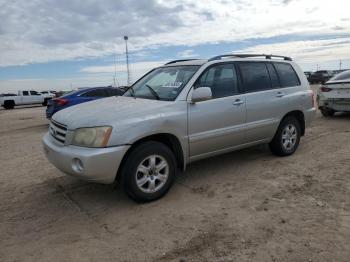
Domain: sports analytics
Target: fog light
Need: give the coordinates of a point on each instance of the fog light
(77, 165)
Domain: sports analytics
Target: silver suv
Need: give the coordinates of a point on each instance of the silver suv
(178, 113)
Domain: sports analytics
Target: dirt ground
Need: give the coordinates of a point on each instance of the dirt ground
(243, 206)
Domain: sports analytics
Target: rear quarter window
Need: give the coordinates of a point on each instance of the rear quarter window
(287, 75)
(95, 93)
(115, 92)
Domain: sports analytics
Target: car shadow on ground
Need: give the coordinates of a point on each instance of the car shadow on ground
(340, 115)
(22, 107)
(91, 197)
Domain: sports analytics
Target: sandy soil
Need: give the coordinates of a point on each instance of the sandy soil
(243, 206)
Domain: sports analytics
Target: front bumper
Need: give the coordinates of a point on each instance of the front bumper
(98, 165)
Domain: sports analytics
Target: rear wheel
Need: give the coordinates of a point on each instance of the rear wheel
(148, 172)
(9, 104)
(287, 137)
(326, 112)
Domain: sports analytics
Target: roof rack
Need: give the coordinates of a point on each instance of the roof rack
(179, 60)
(250, 55)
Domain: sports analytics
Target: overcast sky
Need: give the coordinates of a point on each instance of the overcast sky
(51, 44)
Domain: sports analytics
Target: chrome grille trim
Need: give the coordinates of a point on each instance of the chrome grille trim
(58, 131)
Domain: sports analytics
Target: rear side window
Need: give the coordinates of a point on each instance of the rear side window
(273, 76)
(95, 93)
(287, 75)
(115, 92)
(255, 76)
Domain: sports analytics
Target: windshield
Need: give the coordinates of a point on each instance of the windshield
(342, 76)
(164, 83)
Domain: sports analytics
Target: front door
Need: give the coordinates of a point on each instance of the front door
(217, 124)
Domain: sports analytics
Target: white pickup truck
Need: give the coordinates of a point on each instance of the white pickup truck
(28, 97)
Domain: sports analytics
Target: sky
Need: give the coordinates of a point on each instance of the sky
(66, 44)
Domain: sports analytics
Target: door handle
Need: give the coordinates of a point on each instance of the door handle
(280, 94)
(238, 102)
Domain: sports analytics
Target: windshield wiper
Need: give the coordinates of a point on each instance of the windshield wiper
(153, 92)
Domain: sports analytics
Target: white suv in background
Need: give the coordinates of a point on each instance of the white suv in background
(178, 113)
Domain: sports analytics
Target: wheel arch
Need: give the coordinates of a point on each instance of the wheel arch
(299, 115)
(167, 139)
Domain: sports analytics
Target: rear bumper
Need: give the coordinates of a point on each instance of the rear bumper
(342, 105)
(98, 165)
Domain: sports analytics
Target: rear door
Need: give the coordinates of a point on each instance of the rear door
(266, 101)
(217, 124)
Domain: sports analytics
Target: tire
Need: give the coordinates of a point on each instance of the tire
(287, 137)
(327, 112)
(45, 102)
(138, 174)
(10, 104)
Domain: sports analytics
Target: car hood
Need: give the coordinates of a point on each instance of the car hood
(109, 111)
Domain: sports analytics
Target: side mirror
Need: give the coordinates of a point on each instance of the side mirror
(201, 94)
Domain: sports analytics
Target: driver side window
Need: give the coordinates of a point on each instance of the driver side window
(222, 79)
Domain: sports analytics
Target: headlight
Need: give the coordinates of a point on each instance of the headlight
(92, 136)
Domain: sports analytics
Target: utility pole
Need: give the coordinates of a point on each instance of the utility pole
(126, 38)
(115, 71)
(340, 64)
(317, 68)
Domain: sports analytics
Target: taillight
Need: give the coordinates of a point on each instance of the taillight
(61, 101)
(325, 89)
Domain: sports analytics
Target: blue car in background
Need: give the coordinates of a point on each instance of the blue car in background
(80, 96)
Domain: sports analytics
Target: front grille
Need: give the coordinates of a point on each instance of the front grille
(58, 131)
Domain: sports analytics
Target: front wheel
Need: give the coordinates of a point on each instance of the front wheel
(148, 172)
(287, 137)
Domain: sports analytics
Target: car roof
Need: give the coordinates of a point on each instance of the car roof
(230, 57)
(187, 62)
